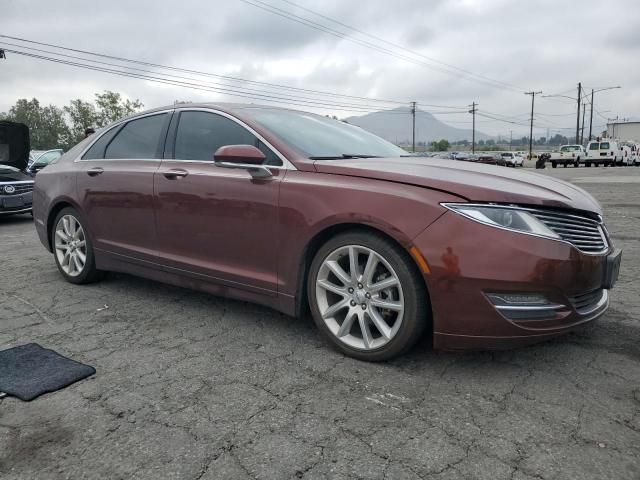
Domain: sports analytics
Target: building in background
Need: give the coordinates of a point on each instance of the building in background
(624, 130)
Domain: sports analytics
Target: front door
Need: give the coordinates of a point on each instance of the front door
(115, 187)
(214, 223)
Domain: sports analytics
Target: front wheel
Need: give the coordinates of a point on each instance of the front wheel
(367, 297)
(72, 248)
(554, 164)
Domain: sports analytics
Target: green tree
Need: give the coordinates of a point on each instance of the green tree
(440, 146)
(47, 125)
(111, 107)
(81, 115)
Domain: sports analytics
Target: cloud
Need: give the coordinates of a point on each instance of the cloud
(544, 45)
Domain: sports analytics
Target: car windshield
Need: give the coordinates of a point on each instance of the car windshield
(322, 138)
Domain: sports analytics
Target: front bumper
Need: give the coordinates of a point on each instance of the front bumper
(468, 261)
(11, 204)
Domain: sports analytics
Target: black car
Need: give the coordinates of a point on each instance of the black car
(16, 182)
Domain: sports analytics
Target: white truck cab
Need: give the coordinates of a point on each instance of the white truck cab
(568, 155)
(603, 152)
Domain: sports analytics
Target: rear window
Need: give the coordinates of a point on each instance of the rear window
(570, 148)
(604, 146)
(594, 146)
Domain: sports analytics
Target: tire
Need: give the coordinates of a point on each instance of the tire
(588, 164)
(403, 328)
(71, 273)
(564, 164)
(554, 164)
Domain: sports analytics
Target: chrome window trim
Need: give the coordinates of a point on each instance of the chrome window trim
(286, 164)
(449, 206)
(111, 127)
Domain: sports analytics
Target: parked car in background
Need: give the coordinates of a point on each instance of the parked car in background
(489, 159)
(16, 182)
(512, 159)
(568, 155)
(604, 152)
(301, 212)
(38, 159)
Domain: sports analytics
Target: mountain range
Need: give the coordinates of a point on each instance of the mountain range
(395, 126)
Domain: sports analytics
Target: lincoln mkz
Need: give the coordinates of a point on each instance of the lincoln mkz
(302, 213)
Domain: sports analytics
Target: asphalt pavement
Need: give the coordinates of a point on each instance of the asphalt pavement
(192, 386)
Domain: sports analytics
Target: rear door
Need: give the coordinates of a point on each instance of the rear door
(215, 223)
(115, 186)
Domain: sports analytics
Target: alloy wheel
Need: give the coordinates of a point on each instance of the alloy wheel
(70, 245)
(360, 298)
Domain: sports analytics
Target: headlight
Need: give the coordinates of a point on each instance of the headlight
(509, 218)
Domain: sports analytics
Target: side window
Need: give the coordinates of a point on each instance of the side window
(200, 134)
(138, 138)
(97, 149)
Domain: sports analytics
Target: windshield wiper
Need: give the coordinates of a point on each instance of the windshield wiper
(344, 155)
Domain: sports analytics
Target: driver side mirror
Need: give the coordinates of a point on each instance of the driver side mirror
(246, 157)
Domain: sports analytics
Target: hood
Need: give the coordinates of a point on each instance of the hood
(14, 145)
(471, 181)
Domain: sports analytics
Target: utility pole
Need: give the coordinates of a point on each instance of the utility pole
(591, 116)
(510, 140)
(578, 115)
(533, 99)
(584, 110)
(473, 111)
(413, 113)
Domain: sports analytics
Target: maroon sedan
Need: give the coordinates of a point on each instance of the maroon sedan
(301, 212)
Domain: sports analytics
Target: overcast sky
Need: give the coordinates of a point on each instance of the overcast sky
(546, 45)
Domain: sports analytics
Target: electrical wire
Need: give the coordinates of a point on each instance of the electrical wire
(225, 77)
(317, 26)
(413, 52)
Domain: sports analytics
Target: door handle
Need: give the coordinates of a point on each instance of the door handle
(175, 173)
(95, 171)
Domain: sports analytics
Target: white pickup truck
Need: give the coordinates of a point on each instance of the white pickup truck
(568, 155)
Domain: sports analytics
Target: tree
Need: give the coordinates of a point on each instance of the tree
(81, 115)
(490, 142)
(440, 146)
(112, 107)
(47, 125)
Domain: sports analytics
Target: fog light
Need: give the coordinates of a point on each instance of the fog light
(524, 306)
(523, 299)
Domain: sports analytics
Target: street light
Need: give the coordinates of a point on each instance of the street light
(591, 116)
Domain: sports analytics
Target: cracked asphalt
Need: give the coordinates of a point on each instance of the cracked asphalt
(191, 386)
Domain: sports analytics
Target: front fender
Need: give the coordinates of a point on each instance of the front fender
(311, 203)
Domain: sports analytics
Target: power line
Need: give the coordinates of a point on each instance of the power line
(323, 28)
(225, 77)
(194, 86)
(413, 52)
(223, 87)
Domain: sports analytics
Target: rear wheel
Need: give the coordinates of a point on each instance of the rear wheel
(366, 296)
(72, 248)
(554, 164)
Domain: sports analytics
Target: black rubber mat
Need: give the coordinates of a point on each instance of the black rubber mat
(28, 371)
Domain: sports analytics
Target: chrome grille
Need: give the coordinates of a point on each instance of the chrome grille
(586, 302)
(585, 233)
(18, 188)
